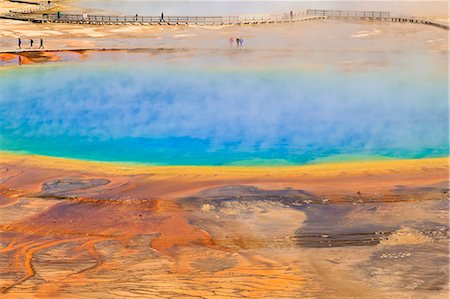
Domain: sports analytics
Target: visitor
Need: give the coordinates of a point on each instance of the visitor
(31, 43)
(241, 42)
(231, 41)
(238, 40)
(162, 17)
(41, 45)
(291, 14)
(136, 17)
(19, 43)
(58, 14)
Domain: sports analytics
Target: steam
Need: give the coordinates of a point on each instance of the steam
(132, 112)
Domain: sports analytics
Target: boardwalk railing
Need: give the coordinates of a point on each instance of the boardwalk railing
(421, 21)
(107, 19)
(349, 13)
(134, 19)
(311, 14)
(373, 15)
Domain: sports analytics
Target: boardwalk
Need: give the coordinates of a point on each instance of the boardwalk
(37, 14)
(372, 15)
(156, 20)
(421, 21)
(356, 14)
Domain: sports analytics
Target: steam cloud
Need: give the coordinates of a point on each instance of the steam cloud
(147, 113)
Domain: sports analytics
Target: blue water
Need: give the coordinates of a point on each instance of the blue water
(176, 115)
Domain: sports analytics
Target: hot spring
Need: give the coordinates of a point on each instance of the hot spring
(175, 114)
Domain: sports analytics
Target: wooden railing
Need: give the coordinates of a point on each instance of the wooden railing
(373, 15)
(78, 18)
(349, 13)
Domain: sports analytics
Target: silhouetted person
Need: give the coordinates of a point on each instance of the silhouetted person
(238, 40)
(291, 14)
(162, 17)
(19, 43)
(241, 41)
(49, 2)
(136, 17)
(31, 43)
(41, 44)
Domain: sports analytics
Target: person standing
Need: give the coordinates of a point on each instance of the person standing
(241, 41)
(136, 17)
(231, 41)
(291, 14)
(238, 40)
(41, 45)
(162, 17)
(19, 43)
(31, 43)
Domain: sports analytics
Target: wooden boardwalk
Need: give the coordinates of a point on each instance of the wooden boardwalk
(354, 14)
(372, 15)
(38, 15)
(421, 21)
(156, 20)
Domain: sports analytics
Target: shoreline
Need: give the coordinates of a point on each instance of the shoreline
(245, 231)
(97, 49)
(330, 168)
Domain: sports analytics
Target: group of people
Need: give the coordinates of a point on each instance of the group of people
(19, 43)
(239, 41)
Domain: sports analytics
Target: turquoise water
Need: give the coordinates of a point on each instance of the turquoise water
(181, 115)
